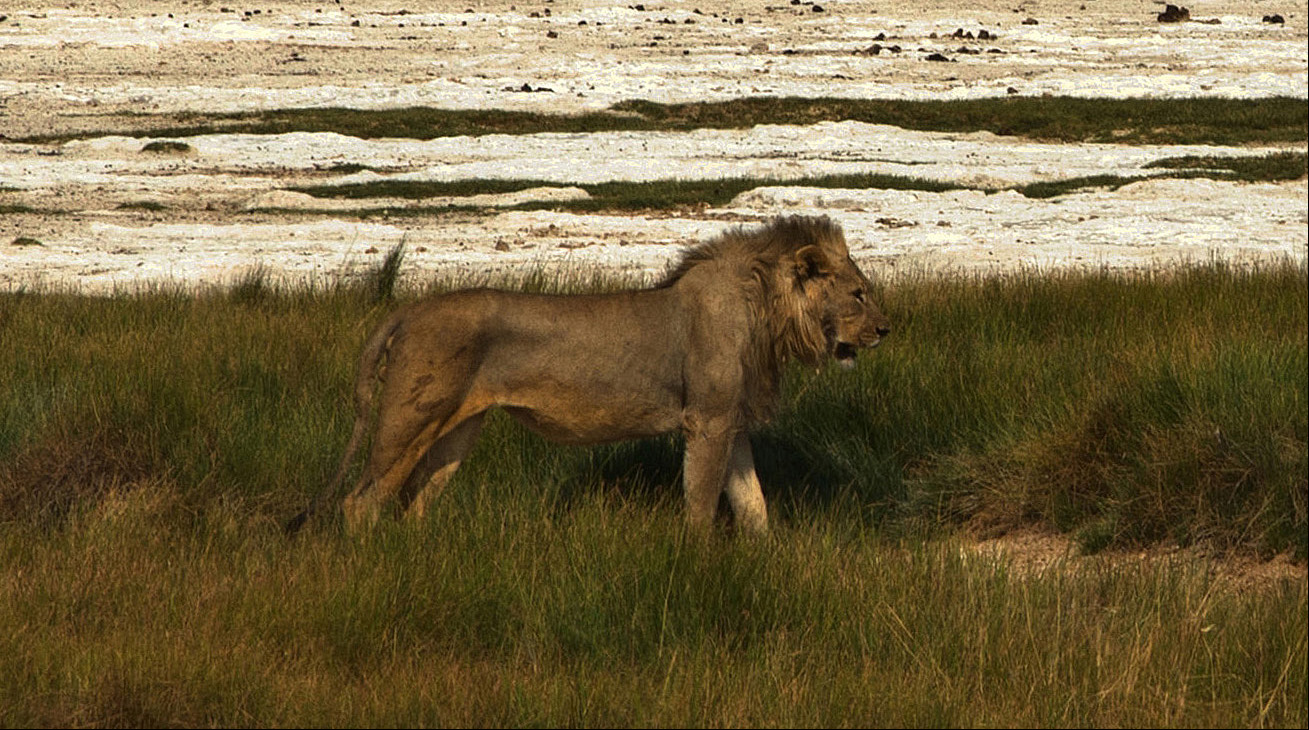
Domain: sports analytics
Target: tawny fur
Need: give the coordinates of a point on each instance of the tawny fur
(701, 352)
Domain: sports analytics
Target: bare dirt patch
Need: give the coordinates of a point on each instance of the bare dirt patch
(1033, 551)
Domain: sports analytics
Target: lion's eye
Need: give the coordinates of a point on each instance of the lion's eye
(859, 295)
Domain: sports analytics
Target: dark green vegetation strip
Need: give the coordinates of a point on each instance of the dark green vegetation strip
(666, 194)
(1274, 167)
(1063, 119)
(615, 195)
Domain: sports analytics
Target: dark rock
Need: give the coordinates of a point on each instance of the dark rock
(1174, 14)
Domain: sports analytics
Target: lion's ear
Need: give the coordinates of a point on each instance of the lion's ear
(811, 262)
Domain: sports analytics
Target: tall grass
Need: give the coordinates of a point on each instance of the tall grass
(151, 445)
(517, 611)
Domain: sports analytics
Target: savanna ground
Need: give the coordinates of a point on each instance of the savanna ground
(1058, 495)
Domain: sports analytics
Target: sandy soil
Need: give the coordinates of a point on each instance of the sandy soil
(107, 213)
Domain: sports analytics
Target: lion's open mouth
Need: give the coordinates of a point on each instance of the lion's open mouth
(845, 354)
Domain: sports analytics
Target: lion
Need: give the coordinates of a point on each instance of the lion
(702, 351)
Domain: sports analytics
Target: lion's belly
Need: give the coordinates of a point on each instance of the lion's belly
(576, 419)
(589, 376)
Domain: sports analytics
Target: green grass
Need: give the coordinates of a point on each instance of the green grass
(678, 193)
(142, 612)
(1270, 167)
(1064, 119)
(169, 147)
(151, 206)
(614, 195)
(152, 444)
(1274, 167)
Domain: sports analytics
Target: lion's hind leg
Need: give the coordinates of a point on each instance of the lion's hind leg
(404, 437)
(438, 466)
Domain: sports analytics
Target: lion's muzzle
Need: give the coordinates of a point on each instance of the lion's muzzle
(845, 353)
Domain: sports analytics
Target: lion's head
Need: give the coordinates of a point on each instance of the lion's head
(836, 299)
(819, 303)
(809, 300)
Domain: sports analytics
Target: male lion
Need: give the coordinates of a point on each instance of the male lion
(703, 352)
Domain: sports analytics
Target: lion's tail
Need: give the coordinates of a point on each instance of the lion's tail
(369, 361)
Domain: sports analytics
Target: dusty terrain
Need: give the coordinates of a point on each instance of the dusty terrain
(101, 211)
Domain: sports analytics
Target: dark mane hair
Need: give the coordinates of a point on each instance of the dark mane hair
(761, 262)
(781, 237)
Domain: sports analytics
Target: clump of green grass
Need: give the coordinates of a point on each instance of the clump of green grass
(1270, 167)
(26, 241)
(152, 206)
(166, 147)
(381, 280)
(1274, 167)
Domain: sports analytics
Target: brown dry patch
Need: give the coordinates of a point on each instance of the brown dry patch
(1030, 551)
(52, 476)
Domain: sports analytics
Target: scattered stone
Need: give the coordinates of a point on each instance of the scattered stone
(25, 241)
(1274, 18)
(1174, 14)
(937, 57)
(896, 223)
(1031, 21)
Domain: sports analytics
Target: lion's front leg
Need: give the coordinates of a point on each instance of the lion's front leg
(743, 490)
(704, 472)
